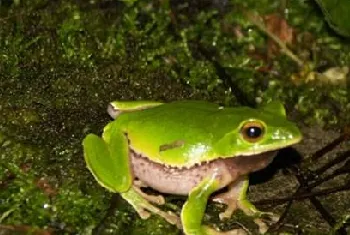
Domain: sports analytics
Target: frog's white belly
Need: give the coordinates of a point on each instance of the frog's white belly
(182, 180)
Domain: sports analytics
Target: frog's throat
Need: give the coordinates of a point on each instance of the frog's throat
(181, 180)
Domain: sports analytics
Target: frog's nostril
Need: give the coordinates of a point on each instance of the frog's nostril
(113, 112)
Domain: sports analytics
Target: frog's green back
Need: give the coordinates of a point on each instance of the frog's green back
(189, 132)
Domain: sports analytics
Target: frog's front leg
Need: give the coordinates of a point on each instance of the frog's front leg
(236, 197)
(193, 210)
(108, 160)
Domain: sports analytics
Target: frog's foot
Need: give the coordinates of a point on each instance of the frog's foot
(141, 203)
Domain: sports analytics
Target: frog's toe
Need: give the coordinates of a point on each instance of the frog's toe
(172, 218)
(228, 212)
(142, 213)
(159, 200)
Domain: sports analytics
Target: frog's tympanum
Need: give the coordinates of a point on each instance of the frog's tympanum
(189, 148)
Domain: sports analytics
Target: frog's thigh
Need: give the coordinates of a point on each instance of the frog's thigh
(143, 206)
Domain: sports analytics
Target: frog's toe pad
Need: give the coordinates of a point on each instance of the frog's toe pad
(143, 213)
(262, 225)
(172, 218)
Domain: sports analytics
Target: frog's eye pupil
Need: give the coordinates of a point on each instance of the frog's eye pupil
(252, 131)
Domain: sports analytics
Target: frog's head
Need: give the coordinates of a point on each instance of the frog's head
(258, 131)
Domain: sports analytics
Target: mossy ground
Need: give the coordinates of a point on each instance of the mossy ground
(61, 62)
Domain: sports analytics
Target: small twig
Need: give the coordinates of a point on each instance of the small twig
(315, 202)
(341, 171)
(302, 196)
(345, 155)
(329, 147)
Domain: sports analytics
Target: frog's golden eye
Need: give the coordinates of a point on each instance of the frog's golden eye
(252, 131)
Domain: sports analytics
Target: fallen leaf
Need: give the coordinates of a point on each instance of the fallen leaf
(278, 26)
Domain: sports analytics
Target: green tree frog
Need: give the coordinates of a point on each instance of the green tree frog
(192, 148)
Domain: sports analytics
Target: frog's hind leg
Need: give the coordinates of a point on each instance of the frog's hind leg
(236, 197)
(142, 204)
